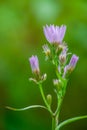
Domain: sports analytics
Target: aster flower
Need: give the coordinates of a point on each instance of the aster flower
(72, 64)
(46, 49)
(63, 55)
(58, 84)
(34, 63)
(73, 61)
(54, 34)
(55, 82)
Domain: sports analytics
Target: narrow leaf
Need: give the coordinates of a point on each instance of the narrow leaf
(68, 121)
(26, 108)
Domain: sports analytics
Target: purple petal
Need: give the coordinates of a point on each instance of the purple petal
(47, 33)
(73, 61)
(34, 64)
(71, 66)
(62, 32)
(54, 34)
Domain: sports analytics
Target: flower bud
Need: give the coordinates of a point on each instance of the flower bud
(61, 47)
(44, 77)
(71, 66)
(34, 63)
(62, 56)
(55, 82)
(73, 62)
(58, 84)
(49, 99)
(46, 50)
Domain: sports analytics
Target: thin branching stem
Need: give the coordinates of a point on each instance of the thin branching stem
(44, 99)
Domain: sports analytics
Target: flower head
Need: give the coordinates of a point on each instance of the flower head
(34, 64)
(46, 49)
(73, 61)
(72, 64)
(54, 34)
(63, 55)
(58, 84)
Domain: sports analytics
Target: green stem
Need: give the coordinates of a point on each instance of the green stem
(68, 121)
(59, 107)
(53, 123)
(60, 98)
(44, 99)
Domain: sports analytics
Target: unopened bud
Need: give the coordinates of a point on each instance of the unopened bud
(57, 83)
(71, 66)
(44, 77)
(49, 99)
(46, 50)
(61, 47)
(62, 56)
(34, 63)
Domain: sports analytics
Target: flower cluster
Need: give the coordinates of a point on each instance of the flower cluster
(55, 35)
(56, 51)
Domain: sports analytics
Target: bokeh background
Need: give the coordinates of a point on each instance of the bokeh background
(21, 35)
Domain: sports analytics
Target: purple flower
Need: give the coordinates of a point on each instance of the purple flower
(46, 50)
(73, 61)
(34, 64)
(72, 64)
(63, 54)
(54, 34)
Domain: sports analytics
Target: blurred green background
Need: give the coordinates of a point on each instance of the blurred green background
(21, 35)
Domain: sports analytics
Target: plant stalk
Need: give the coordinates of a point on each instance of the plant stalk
(53, 122)
(44, 99)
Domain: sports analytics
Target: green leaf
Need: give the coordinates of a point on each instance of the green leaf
(68, 121)
(26, 108)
